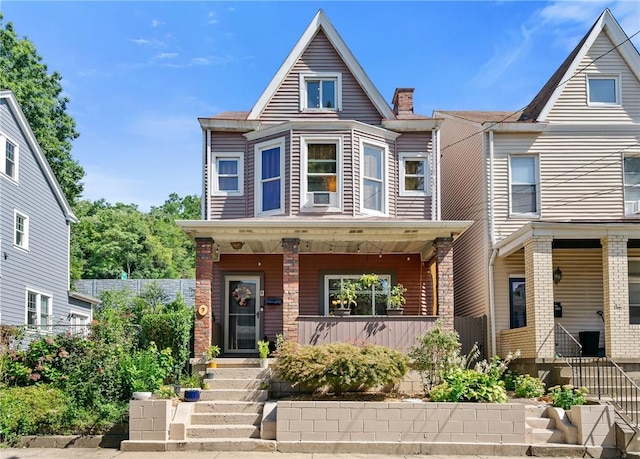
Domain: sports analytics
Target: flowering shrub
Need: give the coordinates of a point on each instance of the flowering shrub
(566, 396)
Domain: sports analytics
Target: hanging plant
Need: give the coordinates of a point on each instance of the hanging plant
(242, 294)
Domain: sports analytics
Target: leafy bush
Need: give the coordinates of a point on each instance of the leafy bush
(566, 396)
(437, 352)
(30, 410)
(524, 386)
(465, 385)
(483, 383)
(340, 367)
(146, 369)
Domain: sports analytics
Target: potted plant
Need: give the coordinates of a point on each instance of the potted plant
(346, 297)
(212, 352)
(396, 300)
(191, 385)
(263, 350)
(146, 369)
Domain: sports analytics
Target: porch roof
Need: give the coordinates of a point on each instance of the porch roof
(324, 235)
(568, 230)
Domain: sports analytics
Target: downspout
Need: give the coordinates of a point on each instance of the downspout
(438, 176)
(494, 252)
(353, 175)
(205, 174)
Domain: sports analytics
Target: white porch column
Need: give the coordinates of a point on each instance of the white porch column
(620, 340)
(539, 291)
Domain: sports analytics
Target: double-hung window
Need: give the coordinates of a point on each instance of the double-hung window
(371, 302)
(632, 186)
(9, 157)
(320, 91)
(320, 185)
(634, 291)
(524, 185)
(228, 174)
(269, 196)
(373, 179)
(603, 89)
(414, 174)
(20, 230)
(39, 311)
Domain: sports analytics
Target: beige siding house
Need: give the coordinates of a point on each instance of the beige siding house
(554, 191)
(321, 181)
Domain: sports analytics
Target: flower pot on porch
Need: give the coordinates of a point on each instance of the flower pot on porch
(191, 395)
(264, 363)
(395, 311)
(138, 395)
(212, 364)
(342, 312)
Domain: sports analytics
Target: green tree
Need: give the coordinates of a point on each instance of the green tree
(111, 239)
(40, 95)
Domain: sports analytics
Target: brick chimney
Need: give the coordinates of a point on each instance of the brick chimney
(403, 101)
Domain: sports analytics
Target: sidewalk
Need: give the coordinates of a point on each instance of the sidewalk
(85, 453)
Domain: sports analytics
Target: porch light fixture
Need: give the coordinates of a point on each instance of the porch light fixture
(237, 245)
(557, 276)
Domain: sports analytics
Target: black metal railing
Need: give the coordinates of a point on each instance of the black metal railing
(566, 344)
(604, 379)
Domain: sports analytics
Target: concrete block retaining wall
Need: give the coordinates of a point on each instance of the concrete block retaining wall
(595, 424)
(150, 419)
(400, 421)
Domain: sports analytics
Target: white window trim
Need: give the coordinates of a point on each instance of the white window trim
(215, 156)
(39, 294)
(604, 76)
(3, 157)
(325, 292)
(258, 176)
(403, 157)
(385, 178)
(25, 246)
(320, 75)
(304, 143)
(538, 191)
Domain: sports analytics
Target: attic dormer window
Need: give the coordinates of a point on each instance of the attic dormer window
(603, 89)
(320, 91)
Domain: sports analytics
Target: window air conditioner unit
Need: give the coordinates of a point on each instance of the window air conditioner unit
(321, 198)
(636, 207)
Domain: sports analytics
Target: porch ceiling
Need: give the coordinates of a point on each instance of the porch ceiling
(319, 235)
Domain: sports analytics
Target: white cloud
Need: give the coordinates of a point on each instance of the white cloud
(156, 23)
(166, 55)
(212, 17)
(141, 41)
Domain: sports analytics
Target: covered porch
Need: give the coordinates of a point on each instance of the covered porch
(558, 284)
(288, 265)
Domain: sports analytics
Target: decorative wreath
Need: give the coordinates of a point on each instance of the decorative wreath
(242, 294)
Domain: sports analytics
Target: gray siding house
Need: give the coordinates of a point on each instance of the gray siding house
(35, 221)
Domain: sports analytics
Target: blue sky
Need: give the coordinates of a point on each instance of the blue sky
(139, 74)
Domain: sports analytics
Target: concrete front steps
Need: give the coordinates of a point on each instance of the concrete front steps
(228, 416)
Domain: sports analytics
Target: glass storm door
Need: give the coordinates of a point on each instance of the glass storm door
(241, 313)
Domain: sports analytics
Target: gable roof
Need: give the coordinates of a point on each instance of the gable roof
(320, 21)
(542, 103)
(39, 155)
(477, 116)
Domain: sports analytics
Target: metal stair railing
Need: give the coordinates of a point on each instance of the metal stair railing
(604, 378)
(566, 344)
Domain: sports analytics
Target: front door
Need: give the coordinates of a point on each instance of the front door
(241, 297)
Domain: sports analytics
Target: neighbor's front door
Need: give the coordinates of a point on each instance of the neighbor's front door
(241, 295)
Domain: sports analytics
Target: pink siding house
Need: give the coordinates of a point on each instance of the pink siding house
(319, 182)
